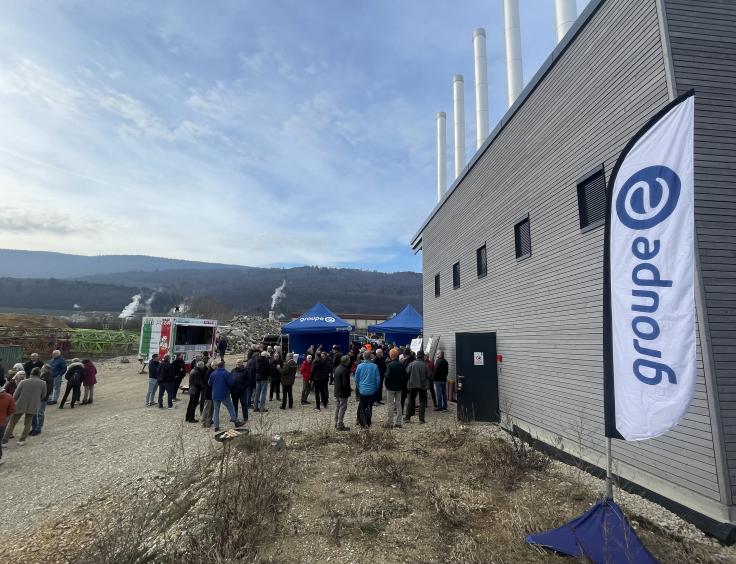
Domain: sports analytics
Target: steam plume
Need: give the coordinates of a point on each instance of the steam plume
(278, 295)
(131, 308)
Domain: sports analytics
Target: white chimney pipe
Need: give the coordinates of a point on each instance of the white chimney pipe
(481, 86)
(565, 16)
(441, 154)
(459, 110)
(514, 77)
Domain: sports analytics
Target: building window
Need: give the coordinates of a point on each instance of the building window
(592, 199)
(481, 261)
(436, 285)
(523, 238)
(456, 275)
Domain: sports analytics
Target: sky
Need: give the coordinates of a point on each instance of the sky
(260, 133)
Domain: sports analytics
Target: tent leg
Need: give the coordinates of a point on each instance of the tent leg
(609, 468)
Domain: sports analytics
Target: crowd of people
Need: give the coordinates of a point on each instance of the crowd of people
(29, 388)
(264, 371)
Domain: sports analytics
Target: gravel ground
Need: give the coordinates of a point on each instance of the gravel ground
(87, 454)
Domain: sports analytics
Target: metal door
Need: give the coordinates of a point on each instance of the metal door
(477, 379)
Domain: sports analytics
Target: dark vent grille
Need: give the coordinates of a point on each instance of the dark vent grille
(481, 261)
(592, 199)
(523, 238)
(456, 275)
(436, 285)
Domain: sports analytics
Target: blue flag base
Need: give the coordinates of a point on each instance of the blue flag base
(602, 535)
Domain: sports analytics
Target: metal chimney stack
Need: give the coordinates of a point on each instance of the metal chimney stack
(565, 16)
(441, 154)
(458, 97)
(481, 86)
(514, 76)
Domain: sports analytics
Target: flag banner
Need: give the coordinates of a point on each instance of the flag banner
(649, 302)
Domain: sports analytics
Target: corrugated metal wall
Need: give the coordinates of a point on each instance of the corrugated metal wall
(703, 44)
(547, 309)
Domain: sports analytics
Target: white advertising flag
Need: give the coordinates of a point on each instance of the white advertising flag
(649, 304)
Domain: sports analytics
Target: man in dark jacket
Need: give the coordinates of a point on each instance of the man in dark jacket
(288, 376)
(240, 392)
(275, 378)
(263, 375)
(222, 346)
(33, 363)
(179, 366)
(441, 369)
(250, 374)
(74, 376)
(342, 392)
(166, 379)
(380, 362)
(58, 369)
(395, 381)
(196, 386)
(154, 368)
(320, 377)
(418, 384)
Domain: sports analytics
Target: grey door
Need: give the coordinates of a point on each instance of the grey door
(477, 379)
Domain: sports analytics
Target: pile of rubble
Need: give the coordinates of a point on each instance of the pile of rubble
(243, 331)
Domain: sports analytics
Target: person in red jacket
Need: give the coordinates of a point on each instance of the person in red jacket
(7, 408)
(88, 381)
(306, 371)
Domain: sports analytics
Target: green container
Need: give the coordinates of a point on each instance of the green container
(10, 354)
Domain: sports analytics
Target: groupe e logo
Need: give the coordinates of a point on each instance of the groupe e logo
(327, 319)
(648, 197)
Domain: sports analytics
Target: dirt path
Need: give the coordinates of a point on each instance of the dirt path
(90, 451)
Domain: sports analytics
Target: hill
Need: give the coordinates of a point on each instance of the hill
(341, 289)
(41, 264)
(40, 280)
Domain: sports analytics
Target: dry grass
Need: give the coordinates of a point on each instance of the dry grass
(419, 495)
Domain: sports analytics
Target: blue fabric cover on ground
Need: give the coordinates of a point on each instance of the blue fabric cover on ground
(602, 534)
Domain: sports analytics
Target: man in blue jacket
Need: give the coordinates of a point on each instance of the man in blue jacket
(367, 382)
(222, 381)
(58, 369)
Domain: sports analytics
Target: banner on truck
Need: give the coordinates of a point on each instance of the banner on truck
(649, 304)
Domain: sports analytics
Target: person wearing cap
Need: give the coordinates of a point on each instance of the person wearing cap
(306, 371)
(74, 376)
(321, 368)
(166, 378)
(28, 397)
(58, 369)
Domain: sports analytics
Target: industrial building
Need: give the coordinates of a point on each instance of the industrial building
(513, 250)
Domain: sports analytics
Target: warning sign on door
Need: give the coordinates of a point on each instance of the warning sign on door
(478, 359)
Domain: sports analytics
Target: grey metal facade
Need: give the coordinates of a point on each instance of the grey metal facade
(611, 73)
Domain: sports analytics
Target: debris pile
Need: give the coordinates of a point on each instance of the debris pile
(244, 331)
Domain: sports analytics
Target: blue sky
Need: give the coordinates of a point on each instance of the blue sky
(249, 132)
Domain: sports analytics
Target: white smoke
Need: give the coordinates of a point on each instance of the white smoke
(149, 301)
(76, 306)
(183, 308)
(278, 295)
(131, 308)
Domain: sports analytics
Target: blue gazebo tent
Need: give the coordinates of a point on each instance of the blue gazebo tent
(401, 328)
(318, 326)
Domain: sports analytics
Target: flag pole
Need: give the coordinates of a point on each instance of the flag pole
(609, 467)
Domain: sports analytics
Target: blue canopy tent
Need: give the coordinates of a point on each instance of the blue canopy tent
(401, 328)
(318, 326)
